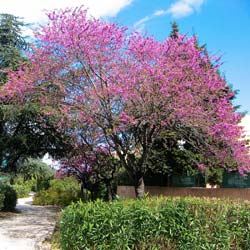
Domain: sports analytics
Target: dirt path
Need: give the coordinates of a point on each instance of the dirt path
(27, 229)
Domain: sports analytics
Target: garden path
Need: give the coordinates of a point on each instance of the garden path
(28, 228)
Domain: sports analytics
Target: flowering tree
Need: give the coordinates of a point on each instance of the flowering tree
(92, 167)
(122, 91)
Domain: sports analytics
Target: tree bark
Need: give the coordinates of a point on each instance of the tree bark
(83, 192)
(139, 185)
(82, 189)
(109, 192)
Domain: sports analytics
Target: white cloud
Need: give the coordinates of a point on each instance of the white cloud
(32, 10)
(179, 9)
(160, 12)
(141, 22)
(184, 8)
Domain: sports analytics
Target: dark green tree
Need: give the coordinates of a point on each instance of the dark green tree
(12, 44)
(28, 133)
(175, 30)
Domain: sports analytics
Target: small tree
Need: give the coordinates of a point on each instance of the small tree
(92, 168)
(35, 169)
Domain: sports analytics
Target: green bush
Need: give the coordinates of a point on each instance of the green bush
(42, 184)
(61, 192)
(4, 178)
(23, 188)
(156, 223)
(10, 197)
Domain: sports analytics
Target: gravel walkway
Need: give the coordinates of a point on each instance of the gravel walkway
(27, 229)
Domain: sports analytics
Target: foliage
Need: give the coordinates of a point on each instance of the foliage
(23, 188)
(11, 47)
(10, 197)
(95, 170)
(35, 169)
(156, 223)
(5, 177)
(123, 178)
(24, 131)
(61, 192)
(33, 175)
(28, 133)
(123, 90)
(11, 44)
(214, 176)
(171, 155)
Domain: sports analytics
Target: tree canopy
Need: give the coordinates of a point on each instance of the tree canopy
(121, 91)
(12, 44)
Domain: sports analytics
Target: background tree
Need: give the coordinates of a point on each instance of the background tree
(24, 130)
(35, 169)
(12, 44)
(122, 91)
(28, 133)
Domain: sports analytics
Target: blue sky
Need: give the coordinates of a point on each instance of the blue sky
(223, 25)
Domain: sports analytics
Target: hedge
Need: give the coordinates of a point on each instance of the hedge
(23, 188)
(156, 223)
(8, 197)
(61, 192)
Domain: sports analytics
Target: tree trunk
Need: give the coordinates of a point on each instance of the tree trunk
(83, 192)
(92, 196)
(139, 185)
(109, 192)
(82, 189)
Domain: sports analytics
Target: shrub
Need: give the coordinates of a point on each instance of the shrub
(23, 188)
(10, 197)
(61, 192)
(42, 184)
(5, 178)
(156, 223)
